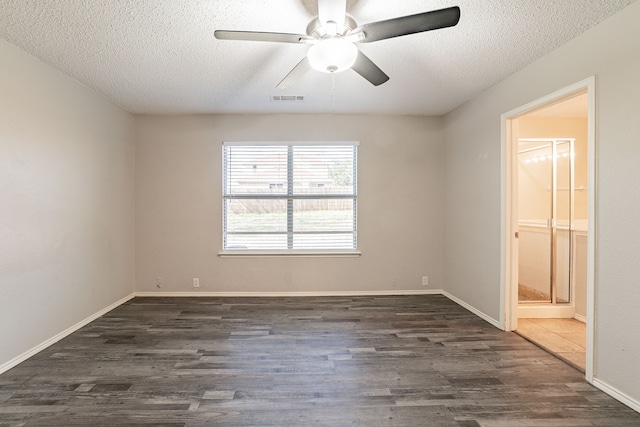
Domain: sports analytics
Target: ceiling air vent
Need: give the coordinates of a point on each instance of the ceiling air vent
(287, 98)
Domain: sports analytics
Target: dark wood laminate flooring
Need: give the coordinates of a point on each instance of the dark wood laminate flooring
(372, 361)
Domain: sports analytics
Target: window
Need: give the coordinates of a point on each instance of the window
(289, 196)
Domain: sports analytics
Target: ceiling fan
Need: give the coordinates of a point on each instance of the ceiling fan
(333, 36)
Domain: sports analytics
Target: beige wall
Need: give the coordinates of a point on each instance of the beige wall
(66, 203)
(179, 204)
(473, 176)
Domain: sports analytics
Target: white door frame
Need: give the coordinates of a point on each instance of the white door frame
(509, 218)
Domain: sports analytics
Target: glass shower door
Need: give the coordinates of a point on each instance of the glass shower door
(545, 181)
(535, 180)
(561, 292)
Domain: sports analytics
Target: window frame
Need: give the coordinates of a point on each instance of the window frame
(290, 197)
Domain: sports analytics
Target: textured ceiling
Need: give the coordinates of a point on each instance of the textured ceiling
(160, 56)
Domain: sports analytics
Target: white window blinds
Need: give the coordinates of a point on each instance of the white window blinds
(290, 197)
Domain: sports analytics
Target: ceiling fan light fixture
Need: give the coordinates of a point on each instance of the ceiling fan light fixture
(332, 55)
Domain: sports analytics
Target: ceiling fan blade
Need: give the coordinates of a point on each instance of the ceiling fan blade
(411, 24)
(259, 36)
(295, 74)
(332, 10)
(370, 71)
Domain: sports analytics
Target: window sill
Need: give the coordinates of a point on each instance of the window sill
(290, 254)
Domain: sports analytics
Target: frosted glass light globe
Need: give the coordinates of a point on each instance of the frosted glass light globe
(332, 55)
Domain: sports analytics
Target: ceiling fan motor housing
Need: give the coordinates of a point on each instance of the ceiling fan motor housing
(318, 30)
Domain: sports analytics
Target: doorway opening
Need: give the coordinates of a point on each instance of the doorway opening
(548, 218)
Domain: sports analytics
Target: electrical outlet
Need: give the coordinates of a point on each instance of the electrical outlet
(159, 282)
(425, 280)
(196, 282)
(394, 281)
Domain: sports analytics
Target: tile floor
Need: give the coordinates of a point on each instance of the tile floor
(565, 338)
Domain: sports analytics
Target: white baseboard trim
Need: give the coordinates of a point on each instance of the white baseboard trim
(472, 309)
(293, 294)
(29, 353)
(617, 394)
(580, 318)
